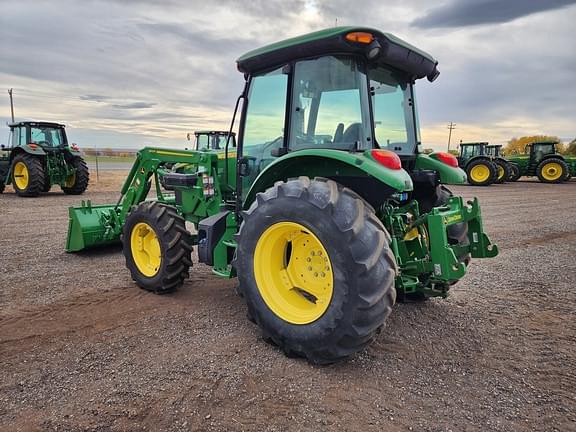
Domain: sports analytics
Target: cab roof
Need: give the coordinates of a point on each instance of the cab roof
(36, 123)
(213, 132)
(395, 52)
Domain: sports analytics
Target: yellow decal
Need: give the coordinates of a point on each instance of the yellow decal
(450, 219)
(223, 155)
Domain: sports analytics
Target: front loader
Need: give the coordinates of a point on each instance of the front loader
(326, 210)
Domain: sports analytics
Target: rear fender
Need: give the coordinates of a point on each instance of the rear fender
(448, 174)
(330, 164)
(35, 151)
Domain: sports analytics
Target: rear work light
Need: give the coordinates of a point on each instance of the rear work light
(447, 158)
(387, 158)
(360, 37)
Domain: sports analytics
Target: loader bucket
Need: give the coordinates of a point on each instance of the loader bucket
(90, 226)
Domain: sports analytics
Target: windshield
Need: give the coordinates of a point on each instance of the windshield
(395, 120)
(46, 136)
(330, 105)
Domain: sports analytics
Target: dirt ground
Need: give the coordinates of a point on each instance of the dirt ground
(83, 349)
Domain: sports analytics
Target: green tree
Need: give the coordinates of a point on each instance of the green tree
(571, 148)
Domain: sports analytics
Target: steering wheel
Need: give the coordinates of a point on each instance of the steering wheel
(43, 143)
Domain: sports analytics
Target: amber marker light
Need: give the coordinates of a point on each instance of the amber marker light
(360, 37)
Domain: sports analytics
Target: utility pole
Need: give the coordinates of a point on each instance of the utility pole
(11, 104)
(451, 126)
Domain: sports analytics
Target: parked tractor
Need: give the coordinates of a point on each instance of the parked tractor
(507, 171)
(214, 140)
(327, 210)
(542, 159)
(481, 169)
(39, 157)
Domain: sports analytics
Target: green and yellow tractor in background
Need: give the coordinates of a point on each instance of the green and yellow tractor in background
(39, 157)
(326, 208)
(507, 170)
(541, 159)
(481, 168)
(212, 139)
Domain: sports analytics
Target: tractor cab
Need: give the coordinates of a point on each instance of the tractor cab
(213, 140)
(494, 150)
(539, 149)
(471, 150)
(341, 90)
(38, 134)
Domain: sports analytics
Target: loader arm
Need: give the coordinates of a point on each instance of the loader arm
(91, 226)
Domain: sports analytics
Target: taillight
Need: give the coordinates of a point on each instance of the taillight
(387, 158)
(447, 158)
(33, 146)
(75, 147)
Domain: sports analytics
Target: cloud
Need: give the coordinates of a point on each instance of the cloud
(134, 105)
(95, 98)
(161, 68)
(461, 13)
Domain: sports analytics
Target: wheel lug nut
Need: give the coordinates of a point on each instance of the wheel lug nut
(312, 253)
(323, 274)
(308, 259)
(309, 268)
(315, 274)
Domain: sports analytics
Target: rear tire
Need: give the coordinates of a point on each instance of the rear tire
(502, 171)
(552, 170)
(514, 172)
(361, 266)
(480, 172)
(27, 175)
(78, 183)
(157, 247)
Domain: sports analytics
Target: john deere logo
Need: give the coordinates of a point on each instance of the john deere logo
(455, 218)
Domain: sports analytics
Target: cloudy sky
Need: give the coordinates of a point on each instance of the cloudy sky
(129, 73)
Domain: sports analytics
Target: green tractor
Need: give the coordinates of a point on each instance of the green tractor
(212, 139)
(481, 169)
(326, 211)
(542, 159)
(38, 157)
(507, 170)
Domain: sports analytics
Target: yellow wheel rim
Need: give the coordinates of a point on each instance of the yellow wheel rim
(145, 249)
(501, 172)
(293, 273)
(70, 181)
(21, 175)
(480, 173)
(552, 171)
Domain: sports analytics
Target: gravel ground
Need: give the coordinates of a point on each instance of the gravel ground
(83, 349)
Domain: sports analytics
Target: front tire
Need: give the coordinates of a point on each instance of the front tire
(315, 268)
(77, 183)
(157, 247)
(27, 175)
